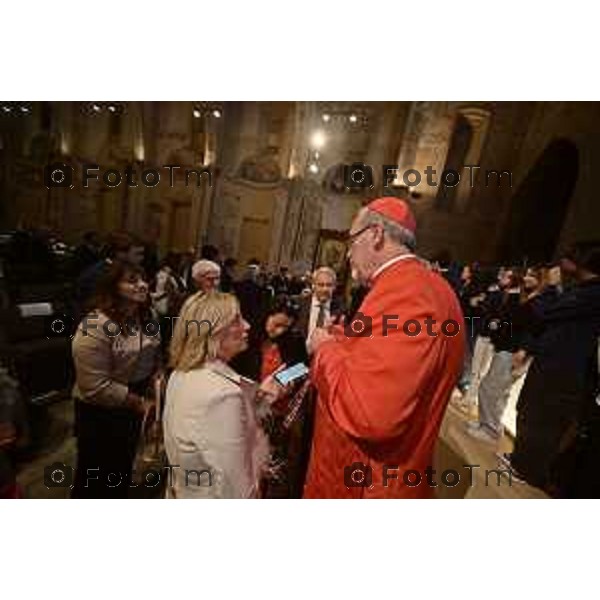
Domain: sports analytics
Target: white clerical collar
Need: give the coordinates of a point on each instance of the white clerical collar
(389, 263)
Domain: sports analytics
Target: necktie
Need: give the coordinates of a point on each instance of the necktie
(321, 316)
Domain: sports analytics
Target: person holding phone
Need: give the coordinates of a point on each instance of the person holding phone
(277, 348)
(211, 420)
(274, 343)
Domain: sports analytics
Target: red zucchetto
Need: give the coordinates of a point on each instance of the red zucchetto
(395, 210)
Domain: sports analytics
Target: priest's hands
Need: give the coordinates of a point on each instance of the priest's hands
(319, 336)
(332, 330)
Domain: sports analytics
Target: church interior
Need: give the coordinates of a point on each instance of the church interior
(277, 193)
(277, 184)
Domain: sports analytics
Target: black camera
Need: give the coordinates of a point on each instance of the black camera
(360, 326)
(58, 175)
(358, 475)
(58, 475)
(59, 326)
(358, 175)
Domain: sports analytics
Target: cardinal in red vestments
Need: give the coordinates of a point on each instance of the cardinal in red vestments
(384, 380)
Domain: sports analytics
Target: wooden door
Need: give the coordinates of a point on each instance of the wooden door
(255, 236)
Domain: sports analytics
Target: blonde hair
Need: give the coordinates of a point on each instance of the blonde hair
(202, 316)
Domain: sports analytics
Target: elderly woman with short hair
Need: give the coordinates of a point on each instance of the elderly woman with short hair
(213, 438)
(206, 275)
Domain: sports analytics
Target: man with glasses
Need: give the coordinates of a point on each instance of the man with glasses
(382, 387)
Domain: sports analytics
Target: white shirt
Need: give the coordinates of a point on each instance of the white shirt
(314, 314)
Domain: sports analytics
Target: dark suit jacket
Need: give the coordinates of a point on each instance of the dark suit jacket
(337, 310)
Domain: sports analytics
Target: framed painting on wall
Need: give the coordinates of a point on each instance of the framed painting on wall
(331, 252)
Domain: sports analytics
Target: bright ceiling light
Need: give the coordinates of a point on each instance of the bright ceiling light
(318, 139)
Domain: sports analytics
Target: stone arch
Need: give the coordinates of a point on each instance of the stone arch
(540, 204)
(466, 145)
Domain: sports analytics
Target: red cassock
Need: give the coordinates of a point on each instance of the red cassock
(381, 399)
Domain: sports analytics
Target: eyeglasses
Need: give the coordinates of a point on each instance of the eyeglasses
(352, 237)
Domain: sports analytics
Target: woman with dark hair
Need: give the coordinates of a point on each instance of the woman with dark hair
(274, 344)
(116, 351)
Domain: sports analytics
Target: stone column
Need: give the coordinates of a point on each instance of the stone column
(479, 120)
(306, 121)
(412, 133)
(134, 134)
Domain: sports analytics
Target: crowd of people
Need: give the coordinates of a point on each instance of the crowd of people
(538, 328)
(374, 397)
(216, 376)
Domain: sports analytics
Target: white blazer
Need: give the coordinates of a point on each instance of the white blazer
(211, 427)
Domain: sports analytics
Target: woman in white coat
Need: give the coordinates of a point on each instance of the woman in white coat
(214, 442)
